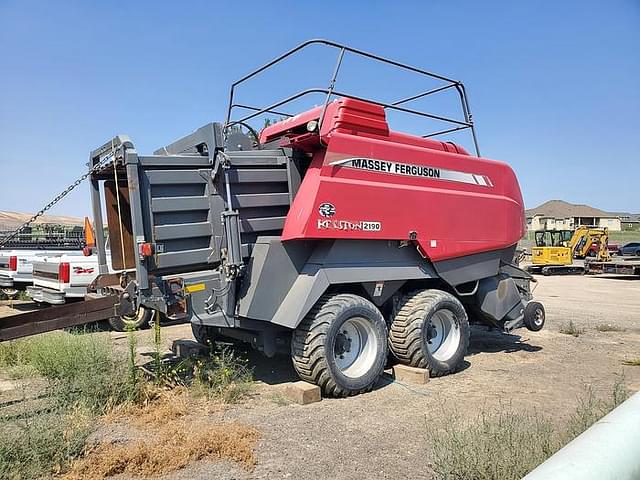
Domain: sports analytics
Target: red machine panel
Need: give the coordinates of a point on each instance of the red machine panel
(368, 182)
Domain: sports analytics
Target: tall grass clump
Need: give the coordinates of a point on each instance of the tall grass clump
(80, 369)
(43, 431)
(222, 375)
(571, 329)
(508, 444)
(70, 379)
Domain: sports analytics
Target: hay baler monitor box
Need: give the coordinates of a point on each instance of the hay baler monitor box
(328, 235)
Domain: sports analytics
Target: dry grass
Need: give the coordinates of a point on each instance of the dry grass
(161, 406)
(571, 329)
(83, 373)
(608, 327)
(506, 443)
(634, 362)
(168, 449)
(176, 432)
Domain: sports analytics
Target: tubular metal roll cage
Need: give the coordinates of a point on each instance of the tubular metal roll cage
(330, 92)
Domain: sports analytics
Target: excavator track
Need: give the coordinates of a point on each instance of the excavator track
(92, 309)
(549, 270)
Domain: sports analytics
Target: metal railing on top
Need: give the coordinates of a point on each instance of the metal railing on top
(330, 91)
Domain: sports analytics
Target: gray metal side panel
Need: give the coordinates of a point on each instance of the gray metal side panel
(261, 224)
(209, 134)
(260, 200)
(302, 296)
(473, 267)
(177, 204)
(196, 161)
(282, 287)
(271, 270)
(257, 175)
(178, 259)
(190, 230)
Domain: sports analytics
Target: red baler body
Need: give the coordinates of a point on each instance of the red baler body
(381, 184)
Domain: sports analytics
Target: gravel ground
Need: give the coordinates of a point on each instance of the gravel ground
(382, 434)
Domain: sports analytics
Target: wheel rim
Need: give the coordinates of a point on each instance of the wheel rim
(135, 318)
(355, 348)
(442, 335)
(538, 317)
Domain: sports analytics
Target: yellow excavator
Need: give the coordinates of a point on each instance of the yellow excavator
(555, 249)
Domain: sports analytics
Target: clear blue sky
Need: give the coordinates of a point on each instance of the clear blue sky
(554, 86)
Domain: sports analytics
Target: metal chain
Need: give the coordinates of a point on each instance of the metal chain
(98, 166)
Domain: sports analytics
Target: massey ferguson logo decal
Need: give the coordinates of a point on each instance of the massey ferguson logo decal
(82, 271)
(406, 169)
(327, 209)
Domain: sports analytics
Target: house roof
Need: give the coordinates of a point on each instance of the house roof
(628, 217)
(562, 209)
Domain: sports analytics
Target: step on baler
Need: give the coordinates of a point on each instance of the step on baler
(326, 236)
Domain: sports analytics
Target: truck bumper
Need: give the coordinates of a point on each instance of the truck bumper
(15, 281)
(45, 295)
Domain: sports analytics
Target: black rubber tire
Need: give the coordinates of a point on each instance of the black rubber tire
(137, 322)
(408, 333)
(531, 319)
(313, 343)
(203, 334)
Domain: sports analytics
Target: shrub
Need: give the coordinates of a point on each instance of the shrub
(32, 448)
(608, 327)
(84, 378)
(79, 368)
(571, 329)
(507, 444)
(222, 375)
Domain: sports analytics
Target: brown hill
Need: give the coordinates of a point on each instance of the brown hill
(9, 220)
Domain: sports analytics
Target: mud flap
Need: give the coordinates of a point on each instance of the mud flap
(500, 299)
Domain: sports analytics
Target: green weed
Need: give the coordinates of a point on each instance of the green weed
(508, 444)
(571, 329)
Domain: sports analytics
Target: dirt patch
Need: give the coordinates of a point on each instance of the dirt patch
(166, 434)
(169, 448)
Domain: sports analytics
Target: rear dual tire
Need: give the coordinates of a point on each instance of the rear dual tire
(341, 345)
(430, 330)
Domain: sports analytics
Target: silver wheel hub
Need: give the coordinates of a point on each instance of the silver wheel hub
(538, 318)
(443, 335)
(355, 348)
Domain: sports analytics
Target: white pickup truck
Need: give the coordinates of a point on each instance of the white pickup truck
(61, 278)
(16, 267)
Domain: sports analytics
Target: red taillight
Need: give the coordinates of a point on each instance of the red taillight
(64, 274)
(145, 249)
(13, 263)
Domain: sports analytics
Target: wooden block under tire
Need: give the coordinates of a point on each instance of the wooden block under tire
(188, 348)
(405, 373)
(302, 393)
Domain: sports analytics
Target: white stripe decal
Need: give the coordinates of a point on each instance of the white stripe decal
(407, 169)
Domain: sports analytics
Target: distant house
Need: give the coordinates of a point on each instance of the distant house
(561, 215)
(630, 221)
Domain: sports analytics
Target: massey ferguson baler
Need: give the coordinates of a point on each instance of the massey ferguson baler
(327, 235)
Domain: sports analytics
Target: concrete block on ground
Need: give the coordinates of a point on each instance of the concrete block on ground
(188, 348)
(302, 393)
(7, 386)
(405, 373)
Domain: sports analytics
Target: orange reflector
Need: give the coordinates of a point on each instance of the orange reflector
(89, 237)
